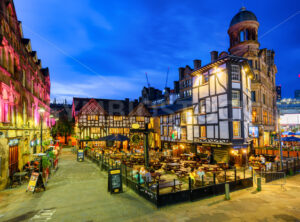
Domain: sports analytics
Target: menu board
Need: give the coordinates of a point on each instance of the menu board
(115, 181)
(80, 155)
(33, 181)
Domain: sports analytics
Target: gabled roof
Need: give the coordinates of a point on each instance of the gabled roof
(111, 107)
(92, 107)
(140, 110)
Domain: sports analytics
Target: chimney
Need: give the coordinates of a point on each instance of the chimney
(197, 64)
(214, 56)
(127, 101)
(181, 73)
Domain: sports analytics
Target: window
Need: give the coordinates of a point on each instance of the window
(118, 118)
(116, 130)
(205, 78)
(202, 131)
(183, 133)
(183, 118)
(140, 119)
(24, 78)
(242, 36)
(235, 98)
(236, 129)
(253, 96)
(165, 130)
(92, 117)
(189, 117)
(95, 130)
(235, 72)
(254, 116)
(264, 99)
(250, 63)
(202, 106)
(256, 66)
(265, 116)
(165, 119)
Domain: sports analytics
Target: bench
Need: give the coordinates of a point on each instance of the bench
(171, 184)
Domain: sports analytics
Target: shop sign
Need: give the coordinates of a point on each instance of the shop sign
(253, 131)
(211, 145)
(135, 126)
(80, 155)
(135, 139)
(115, 181)
(35, 181)
(239, 147)
(13, 142)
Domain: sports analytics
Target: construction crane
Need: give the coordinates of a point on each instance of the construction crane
(147, 80)
(167, 77)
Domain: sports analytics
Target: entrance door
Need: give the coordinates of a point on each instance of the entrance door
(13, 159)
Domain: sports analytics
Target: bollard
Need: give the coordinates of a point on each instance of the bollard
(227, 191)
(258, 184)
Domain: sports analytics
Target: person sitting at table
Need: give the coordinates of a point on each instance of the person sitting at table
(143, 171)
(192, 175)
(251, 158)
(138, 176)
(262, 159)
(148, 177)
(200, 173)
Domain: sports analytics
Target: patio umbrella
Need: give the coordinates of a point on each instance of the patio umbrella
(114, 137)
(291, 139)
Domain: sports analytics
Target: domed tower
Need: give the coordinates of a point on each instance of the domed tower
(243, 33)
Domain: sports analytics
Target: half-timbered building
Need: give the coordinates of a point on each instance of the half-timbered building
(96, 118)
(222, 105)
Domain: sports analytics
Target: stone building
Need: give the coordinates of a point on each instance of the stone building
(24, 91)
(243, 33)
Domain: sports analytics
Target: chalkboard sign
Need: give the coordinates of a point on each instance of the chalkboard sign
(36, 181)
(80, 155)
(115, 181)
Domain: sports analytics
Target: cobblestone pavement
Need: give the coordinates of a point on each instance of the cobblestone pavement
(78, 192)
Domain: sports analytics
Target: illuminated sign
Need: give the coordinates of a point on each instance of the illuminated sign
(253, 131)
(135, 126)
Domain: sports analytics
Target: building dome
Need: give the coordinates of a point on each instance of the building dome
(243, 15)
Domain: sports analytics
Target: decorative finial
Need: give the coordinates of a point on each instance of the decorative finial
(243, 8)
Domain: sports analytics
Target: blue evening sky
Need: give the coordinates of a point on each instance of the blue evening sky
(97, 48)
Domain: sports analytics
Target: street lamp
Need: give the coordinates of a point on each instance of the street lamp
(41, 111)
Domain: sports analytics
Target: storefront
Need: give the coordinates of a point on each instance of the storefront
(13, 156)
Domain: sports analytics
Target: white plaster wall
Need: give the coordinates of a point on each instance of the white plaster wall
(196, 132)
(223, 113)
(212, 87)
(201, 119)
(210, 131)
(212, 118)
(236, 113)
(189, 130)
(208, 105)
(222, 83)
(203, 91)
(224, 130)
(195, 95)
(217, 131)
(214, 104)
(222, 100)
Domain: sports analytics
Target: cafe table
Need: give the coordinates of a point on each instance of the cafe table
(20, 176)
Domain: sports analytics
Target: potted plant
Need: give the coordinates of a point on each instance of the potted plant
(46, 164)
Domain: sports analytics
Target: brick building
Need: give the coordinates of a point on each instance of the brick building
(24, 90)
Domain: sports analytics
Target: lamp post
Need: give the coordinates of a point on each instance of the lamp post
(41, 111)
(280, 145)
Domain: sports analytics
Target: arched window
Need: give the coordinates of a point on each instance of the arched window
(242, 36)
(247, 35)
(4, 60)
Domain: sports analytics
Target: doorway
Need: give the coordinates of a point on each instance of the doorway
(13, 159)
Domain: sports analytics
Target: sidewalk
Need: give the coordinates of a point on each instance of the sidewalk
(78, 192)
